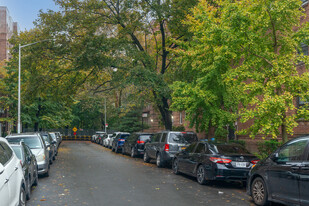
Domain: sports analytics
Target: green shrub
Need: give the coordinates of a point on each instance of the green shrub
(267, 147)
(179, 128)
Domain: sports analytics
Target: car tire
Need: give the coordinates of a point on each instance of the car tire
(54, 157)
(259, 191)
(146, 158)
(159, 160)
(36, 179)
(22, 197)
(28, 190)
(133, 153)
(200, 175)
(175, 166)
(116, 149)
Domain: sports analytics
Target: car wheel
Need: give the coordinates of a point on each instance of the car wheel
(175, 166)
(200, 175)
(133, 152)
(54, 157)
(28, 186)
(159, 160)
(22, 197)
(259, 191)
(51, 161)
(116, 149)
(146, 157)
(36, 179)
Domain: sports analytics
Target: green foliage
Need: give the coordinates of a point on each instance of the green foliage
(266, 147)
(131, 122)
(243, 55)
(180, 128)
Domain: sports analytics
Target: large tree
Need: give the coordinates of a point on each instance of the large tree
(246, 51)
(134, 36)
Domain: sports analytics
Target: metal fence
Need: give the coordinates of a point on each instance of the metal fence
(68, 134)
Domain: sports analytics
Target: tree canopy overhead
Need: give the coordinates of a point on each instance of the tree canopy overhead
(243, 59)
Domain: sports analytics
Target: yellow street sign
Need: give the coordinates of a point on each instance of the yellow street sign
(74, 129)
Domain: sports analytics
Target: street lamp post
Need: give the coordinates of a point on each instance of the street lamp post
(19, 77)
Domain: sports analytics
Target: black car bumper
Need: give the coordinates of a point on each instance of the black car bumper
(231, 174)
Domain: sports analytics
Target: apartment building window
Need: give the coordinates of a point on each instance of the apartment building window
(301, 102)
(180, 117)
(304, 48)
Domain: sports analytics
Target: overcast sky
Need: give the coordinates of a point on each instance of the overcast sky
(26, 11)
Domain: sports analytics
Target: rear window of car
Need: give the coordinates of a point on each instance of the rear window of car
(32, 141)
(144, 137)
(228, 149)
(18, 152)
(182, 137)
(53, 136)
(46, 139)
(123, 135)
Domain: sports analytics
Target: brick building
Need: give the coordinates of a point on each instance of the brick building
(178, 117)
(7, 29)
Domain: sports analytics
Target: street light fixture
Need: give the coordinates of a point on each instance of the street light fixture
(19, 77)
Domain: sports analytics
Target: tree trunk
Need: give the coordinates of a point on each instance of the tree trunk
(165, 113)
(283, 130)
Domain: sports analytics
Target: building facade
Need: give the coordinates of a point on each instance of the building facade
(7, 29)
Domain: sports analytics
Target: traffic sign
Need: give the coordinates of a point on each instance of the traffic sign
(74, 129)
(74, 133)
(106, 125)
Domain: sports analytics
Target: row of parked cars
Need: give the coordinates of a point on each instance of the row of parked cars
(23, 157)
(282, 177)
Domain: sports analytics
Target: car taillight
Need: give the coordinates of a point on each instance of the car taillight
(167, 147)
(220, 160)
(255, 161)
(140, 142)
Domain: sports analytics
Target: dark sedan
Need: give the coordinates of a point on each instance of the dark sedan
(282, 177)
(134, 144)
(51, 145)
(214, 161)
(29, 165)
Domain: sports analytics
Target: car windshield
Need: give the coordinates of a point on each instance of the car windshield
(144, 137)
(46, 139)
(53, 136)
(228, 149)
(182, 137)
(17, 150)
(33, 142)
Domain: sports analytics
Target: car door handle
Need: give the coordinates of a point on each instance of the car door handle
(16, 168)
(6, 181)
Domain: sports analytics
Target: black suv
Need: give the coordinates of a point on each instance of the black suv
(164, 145)
(134, 144)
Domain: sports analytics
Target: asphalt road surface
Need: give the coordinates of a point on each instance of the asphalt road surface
(89, 174)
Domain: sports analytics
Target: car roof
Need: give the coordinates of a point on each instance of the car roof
(4, 140)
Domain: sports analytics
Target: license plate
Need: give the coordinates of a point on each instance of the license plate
(183, 148)
(241, 164)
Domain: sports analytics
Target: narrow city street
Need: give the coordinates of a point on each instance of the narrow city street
(89, 174)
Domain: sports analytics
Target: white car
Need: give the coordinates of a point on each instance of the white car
(110, 141)
(106, 140)
(12, 182)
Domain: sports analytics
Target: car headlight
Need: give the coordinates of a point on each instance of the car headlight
(41, 157)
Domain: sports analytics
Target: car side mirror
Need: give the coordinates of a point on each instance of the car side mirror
(274, 157)
(47, 145)
(1, 168)
(54, 142)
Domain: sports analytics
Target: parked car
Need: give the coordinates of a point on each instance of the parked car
(56, 139)
(12, 182)
(110, 143)
(99, 139)
(164, 145)
(283, 176)
(29, 165)
(134, 144)
(37, 146)
(214, 161)
(106, 140)
(51, 145)
(59, 135)
(93, 138)
(119, 141)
